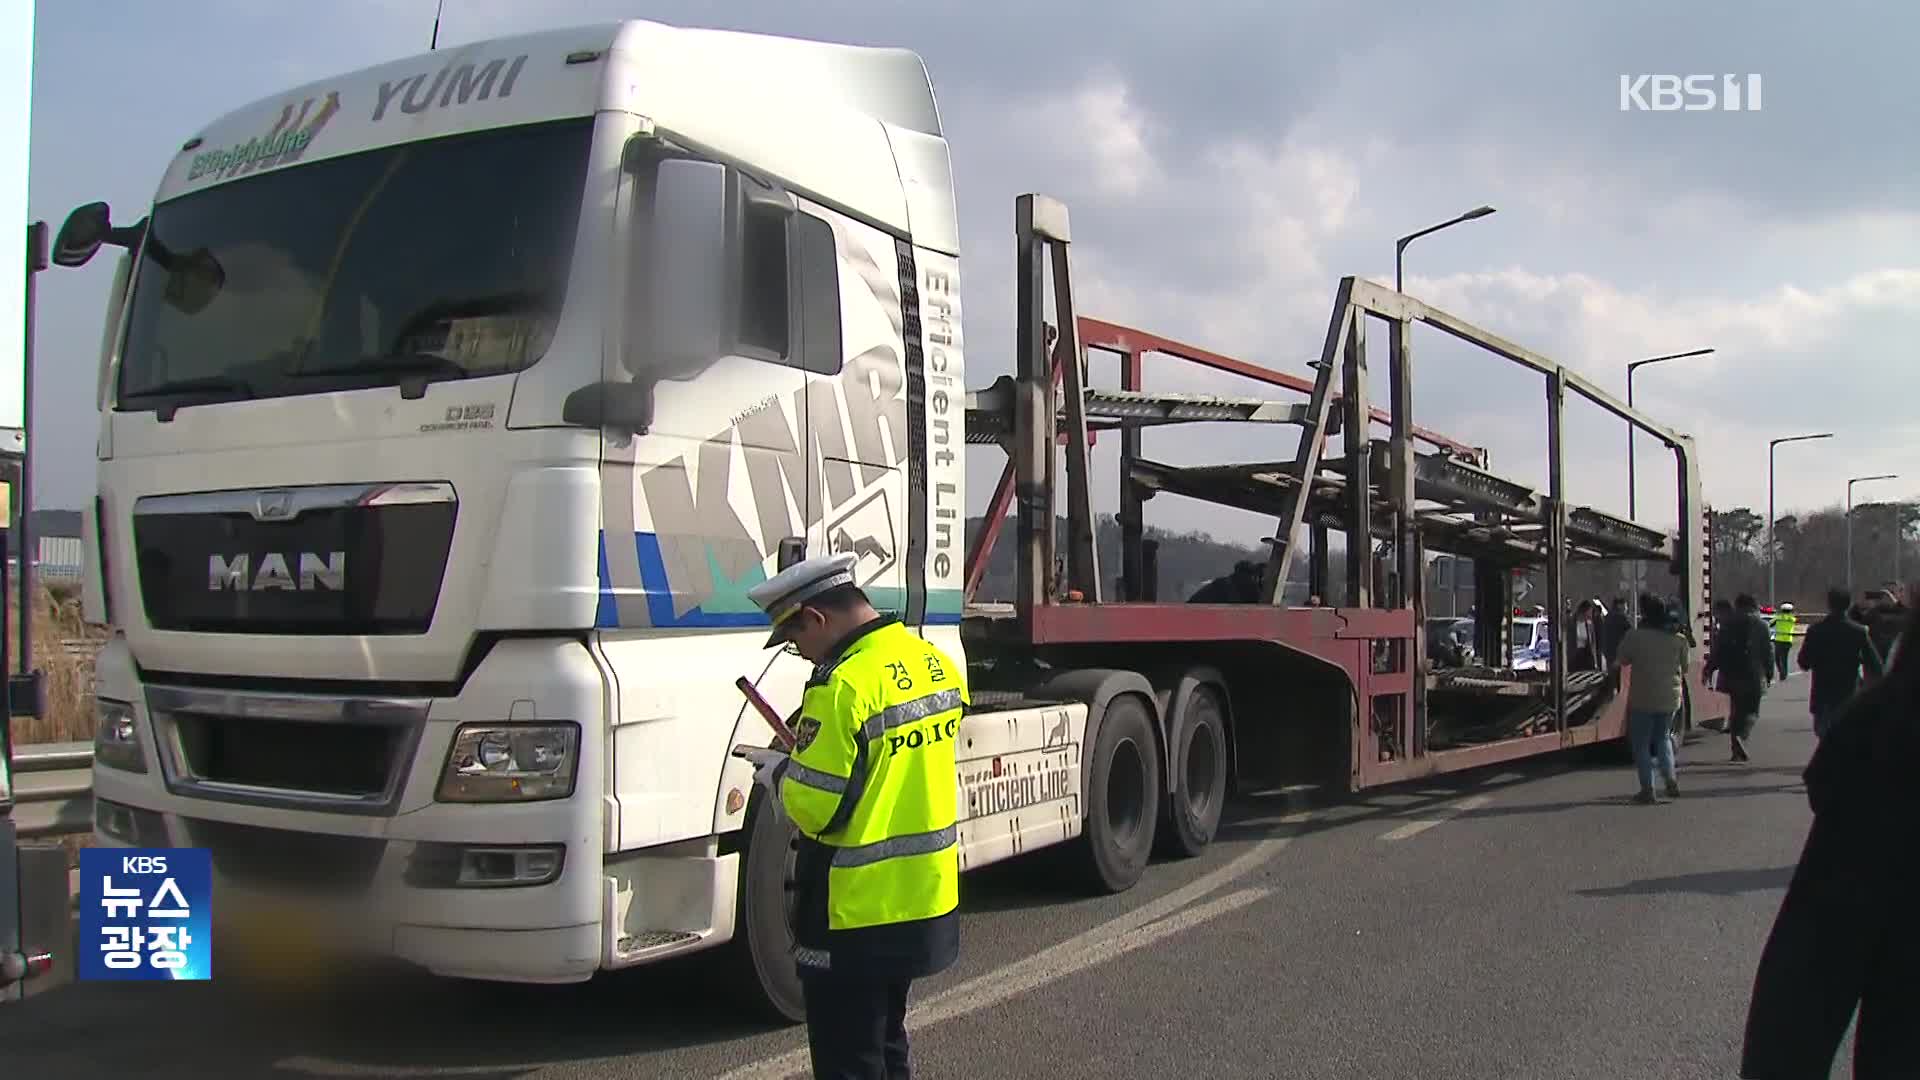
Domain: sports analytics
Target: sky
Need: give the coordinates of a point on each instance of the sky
(1226, 163)
(16, 60)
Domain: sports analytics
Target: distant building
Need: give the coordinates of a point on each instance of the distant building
(62, 556)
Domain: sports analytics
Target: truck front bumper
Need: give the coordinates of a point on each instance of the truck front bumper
(297, 886)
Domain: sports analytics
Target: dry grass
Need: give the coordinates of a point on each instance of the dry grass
(56, 619)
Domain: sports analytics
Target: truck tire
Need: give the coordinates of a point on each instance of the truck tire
(1199, 737)
(763, 928)
(1123, 797)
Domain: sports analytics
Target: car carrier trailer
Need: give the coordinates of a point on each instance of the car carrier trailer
(1364, 706)
(427, 506)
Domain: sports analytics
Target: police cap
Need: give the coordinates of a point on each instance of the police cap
(782, 595)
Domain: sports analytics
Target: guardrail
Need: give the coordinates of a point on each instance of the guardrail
(53, 782)
(80, 647)
(53, 789)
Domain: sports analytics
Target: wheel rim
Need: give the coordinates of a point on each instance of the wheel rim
(1203, 763)
(1126, 792)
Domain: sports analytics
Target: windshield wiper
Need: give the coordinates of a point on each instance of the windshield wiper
(209, 384)
(215, 386)
(416, 363)
(416, 369)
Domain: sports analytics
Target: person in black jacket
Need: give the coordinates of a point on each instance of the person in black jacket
(1742, 654)
(1835, 650)
(1240, 587)
(1613, 628)
(1845, 936)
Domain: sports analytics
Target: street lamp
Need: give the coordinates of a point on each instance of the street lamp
(1632, 488)
(1899, 539)
(1896, 518)
(1773, 444)
(1400, 245)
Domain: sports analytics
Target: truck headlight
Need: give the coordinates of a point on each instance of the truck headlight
(116, 737)
(510, 763)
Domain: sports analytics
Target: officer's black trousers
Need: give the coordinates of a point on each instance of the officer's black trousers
(856, 1027)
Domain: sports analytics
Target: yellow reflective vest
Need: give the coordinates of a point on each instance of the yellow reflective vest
(872, 778)
(1783, 622)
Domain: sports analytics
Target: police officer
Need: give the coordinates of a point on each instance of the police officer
(871, 787)
(1784, 621)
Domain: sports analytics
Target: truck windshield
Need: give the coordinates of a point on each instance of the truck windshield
(439, 259)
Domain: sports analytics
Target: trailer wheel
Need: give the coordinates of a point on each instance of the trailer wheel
(763, 928)
(1123, 797)
(1200, 763)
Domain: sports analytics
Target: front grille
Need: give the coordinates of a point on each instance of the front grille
(353, 559)
(309, 863)
(329, 759)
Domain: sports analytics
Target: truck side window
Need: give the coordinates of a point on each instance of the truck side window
(816, 270)
(765, 300)
(789, 288)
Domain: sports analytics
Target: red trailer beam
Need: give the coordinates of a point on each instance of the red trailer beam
(1100, 334)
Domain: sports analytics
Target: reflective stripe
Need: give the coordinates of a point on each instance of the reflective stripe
(925, 843)
(908, 711)
(814, 778)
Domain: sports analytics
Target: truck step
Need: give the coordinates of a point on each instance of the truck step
(653, 939)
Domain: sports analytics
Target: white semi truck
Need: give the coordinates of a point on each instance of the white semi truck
(448, 408)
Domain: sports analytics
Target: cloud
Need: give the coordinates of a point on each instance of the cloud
(1223, 171)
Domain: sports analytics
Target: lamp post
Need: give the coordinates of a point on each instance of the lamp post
(1896, 518)
(1772, 445)
(1400, 245)
(1899, 539)
(1632, 488)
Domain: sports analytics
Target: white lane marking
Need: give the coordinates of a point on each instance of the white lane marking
(1030, 974)
(314, 1066)
(980, 993)
(1074, 954)
(1420, 825)
(1280, 819)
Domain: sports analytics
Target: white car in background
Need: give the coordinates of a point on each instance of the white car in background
(1532, 643)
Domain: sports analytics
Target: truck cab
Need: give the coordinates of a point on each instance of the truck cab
(447, 410)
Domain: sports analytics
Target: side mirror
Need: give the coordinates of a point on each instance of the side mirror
(792, 552)
(82, 234)
(682, 294)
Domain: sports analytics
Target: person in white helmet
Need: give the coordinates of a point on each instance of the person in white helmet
(1783, 624)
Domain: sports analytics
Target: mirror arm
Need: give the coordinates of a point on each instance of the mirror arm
(127, 236)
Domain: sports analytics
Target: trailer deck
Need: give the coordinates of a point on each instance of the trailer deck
(1365, 659)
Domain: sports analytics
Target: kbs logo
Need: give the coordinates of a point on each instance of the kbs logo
(1689, 93)
(145, 913)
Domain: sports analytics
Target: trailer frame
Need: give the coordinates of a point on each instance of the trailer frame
(1046, 415)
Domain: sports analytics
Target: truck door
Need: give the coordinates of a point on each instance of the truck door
(856, 405)
(698, 508)
(719, 478)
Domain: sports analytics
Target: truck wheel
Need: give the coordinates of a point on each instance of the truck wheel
(1200, 762)
(763, 929)
(1123, 797)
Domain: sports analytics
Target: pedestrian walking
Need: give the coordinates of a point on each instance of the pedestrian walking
(1721, 615)
(1740, 655)
(1884, 617)
(1766, 616)
(1655, 659)
(1835, 650)
(1784, 621)
(1614, 629)
(1844, 937)
(869, 786)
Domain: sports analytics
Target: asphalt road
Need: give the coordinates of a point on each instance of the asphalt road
(1524, 921)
